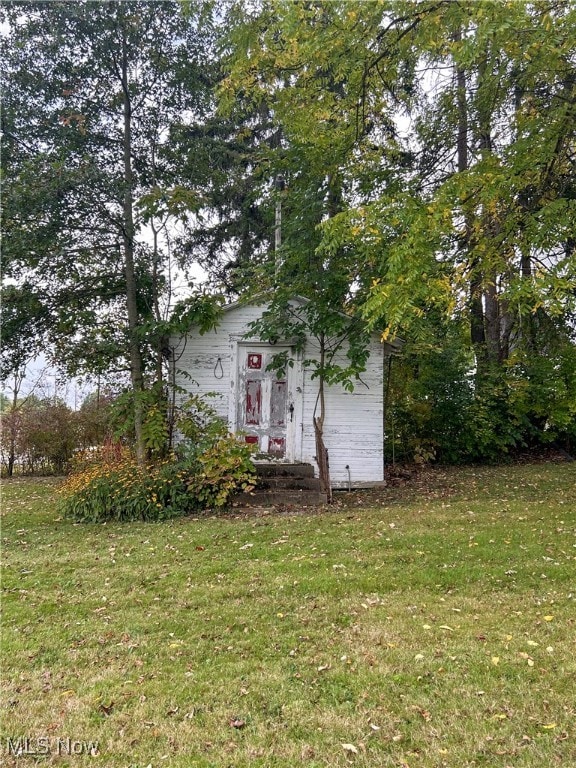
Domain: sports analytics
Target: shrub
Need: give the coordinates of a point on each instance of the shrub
(110, 485)
(225, 467)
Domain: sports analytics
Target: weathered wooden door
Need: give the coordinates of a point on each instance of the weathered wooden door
(264, 407)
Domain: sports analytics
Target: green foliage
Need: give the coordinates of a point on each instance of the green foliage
(113, 486)
(209, 467)
(224, 468)
(95, 419)
(465, 210)
(542, 385)
(439, 410)
(222, 461)
(72, 206)
(155, 428)
(199, 424)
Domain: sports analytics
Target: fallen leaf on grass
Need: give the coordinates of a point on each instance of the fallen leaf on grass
(350, 748)
(237, 723)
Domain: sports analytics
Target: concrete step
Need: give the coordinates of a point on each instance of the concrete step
(278, 469)
(288, 483)
(299, 498)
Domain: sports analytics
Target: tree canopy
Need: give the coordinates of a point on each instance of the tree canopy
(410, 164)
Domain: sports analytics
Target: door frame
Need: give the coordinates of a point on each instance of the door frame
(295, 387)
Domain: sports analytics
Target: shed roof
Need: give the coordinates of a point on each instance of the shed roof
(394, 345)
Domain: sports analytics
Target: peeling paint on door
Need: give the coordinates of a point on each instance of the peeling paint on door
(253, 402)
(263, 407)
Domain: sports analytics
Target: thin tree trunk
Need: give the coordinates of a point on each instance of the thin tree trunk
(492, 322)
(475, 287)
(491, 229)
(14, 422)
(156, 305)
(321, 450)
(136, 367)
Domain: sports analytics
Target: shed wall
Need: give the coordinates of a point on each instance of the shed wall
(353, 428)
(203, 362)
(354, 423)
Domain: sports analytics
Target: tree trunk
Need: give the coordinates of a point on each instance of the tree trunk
(492, 322)
(321, 450)
(475, 305)
(136, 367)
(14, 420)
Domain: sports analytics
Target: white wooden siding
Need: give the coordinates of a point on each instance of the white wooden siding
(196, 358)
(354, 423)
(353, 427)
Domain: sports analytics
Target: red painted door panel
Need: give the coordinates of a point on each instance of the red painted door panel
(253, 402)
(263, 405)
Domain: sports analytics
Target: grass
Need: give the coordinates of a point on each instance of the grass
(427, 627)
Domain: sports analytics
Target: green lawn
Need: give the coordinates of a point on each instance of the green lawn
(426, 627)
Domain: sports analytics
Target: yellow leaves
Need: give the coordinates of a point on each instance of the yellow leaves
(495, 660)
(386, 333)
(548, 618)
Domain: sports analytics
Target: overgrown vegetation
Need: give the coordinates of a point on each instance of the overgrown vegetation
(41, 435)
(432, 627)
(209, 465)
(438, 410)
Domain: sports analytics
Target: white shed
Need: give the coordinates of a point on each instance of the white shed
(276, 412)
